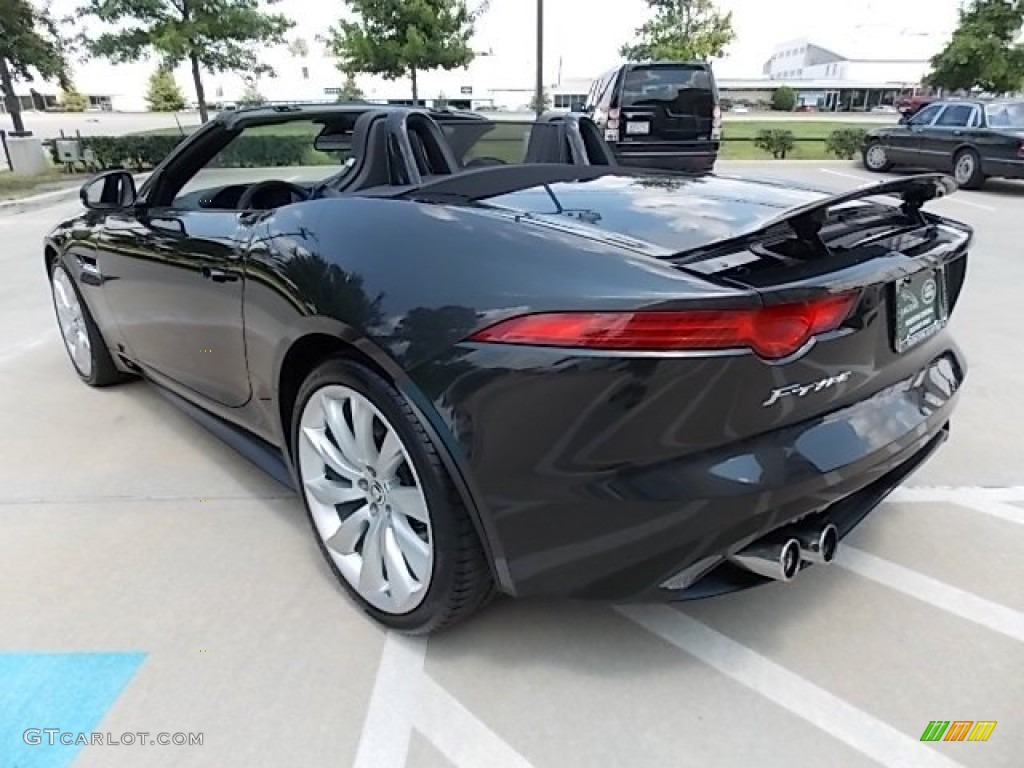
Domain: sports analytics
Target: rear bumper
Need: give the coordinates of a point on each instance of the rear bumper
(564, 520)
(696, 156)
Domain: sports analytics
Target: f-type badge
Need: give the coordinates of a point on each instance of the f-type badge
(802, 390)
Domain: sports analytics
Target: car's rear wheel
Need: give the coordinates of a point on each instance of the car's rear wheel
(967, 169)
(82, 338)
(876, 158)
(382, 505)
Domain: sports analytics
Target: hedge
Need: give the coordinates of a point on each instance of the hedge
(142, 153)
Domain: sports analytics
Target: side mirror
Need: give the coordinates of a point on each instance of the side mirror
(578, 106)
(109, 191)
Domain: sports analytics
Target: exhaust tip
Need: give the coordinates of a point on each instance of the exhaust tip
(828, 543)
(789, 559)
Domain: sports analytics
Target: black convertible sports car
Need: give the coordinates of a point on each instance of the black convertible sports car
(491, 360)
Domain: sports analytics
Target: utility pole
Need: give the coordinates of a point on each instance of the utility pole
(538, 96)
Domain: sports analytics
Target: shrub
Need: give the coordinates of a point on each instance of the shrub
(776, 141)
(784, 99)
(145, 152)
(846, 142)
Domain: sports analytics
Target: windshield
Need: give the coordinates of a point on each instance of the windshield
(680, 86)
(1008, 115)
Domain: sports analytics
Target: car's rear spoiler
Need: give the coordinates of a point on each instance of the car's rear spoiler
(805, 221)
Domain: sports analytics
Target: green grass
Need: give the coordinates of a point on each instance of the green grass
(14, 186)
(810, 138)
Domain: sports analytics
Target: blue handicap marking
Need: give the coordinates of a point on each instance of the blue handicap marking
(67, 691)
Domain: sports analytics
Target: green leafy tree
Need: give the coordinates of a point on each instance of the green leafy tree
(784, 99)
(212, 35)
(400, 38)
(163, 94)
(251, 96)
(681, 30)
(982, 51)
(350, 90)
(73, 100)
(29, 45)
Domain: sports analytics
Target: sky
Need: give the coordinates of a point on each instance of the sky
(586, 34)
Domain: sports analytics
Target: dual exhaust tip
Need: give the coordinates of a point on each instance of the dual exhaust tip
(780, 558)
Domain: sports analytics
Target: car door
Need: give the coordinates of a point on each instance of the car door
(949, 131)
(904, 141)
(174, 280)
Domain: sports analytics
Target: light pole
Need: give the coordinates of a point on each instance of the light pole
(538, 96)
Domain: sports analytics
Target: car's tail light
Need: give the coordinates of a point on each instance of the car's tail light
(772, 332)
(1020, 150)
(613, 119)
(716, 123)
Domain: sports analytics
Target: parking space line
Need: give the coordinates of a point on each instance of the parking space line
(990, 501)
(944, 596)
(458, 734)
(405, 697)
(387, 729)
(858, 177)
(841, 720)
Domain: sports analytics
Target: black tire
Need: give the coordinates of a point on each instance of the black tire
(102, 371)
(461, 582)
(975, 178)
(869, 155)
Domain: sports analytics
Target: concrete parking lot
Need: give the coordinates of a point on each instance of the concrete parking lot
(154, 581)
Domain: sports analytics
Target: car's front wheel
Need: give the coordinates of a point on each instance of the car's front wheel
(876, 158)
(382, 505)
(82, 338)
(967, 169)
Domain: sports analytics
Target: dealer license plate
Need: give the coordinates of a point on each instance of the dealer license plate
(920, 308)
(634, 129)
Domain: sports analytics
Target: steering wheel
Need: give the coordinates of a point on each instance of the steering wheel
(245, 202)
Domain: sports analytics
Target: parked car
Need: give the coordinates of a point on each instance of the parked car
(659, 114)
(552, 376)
(974, 139)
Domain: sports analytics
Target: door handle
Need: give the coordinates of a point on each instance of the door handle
(958, 133)
(218, 275)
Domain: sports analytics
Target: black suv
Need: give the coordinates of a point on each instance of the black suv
(659, 114)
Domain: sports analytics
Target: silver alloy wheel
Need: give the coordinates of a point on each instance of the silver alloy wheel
(365, 498)
(876, 157)
(964, 168)
(71, 321)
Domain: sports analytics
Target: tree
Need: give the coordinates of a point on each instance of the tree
(784, 99)
(350, 90)
(29, 43)
(73, 100)
(982, 52)
(540, 105)
(399, 38)
(164, 95)
(298, 48)
(681, 30)
(251, 96)
(212, 35)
